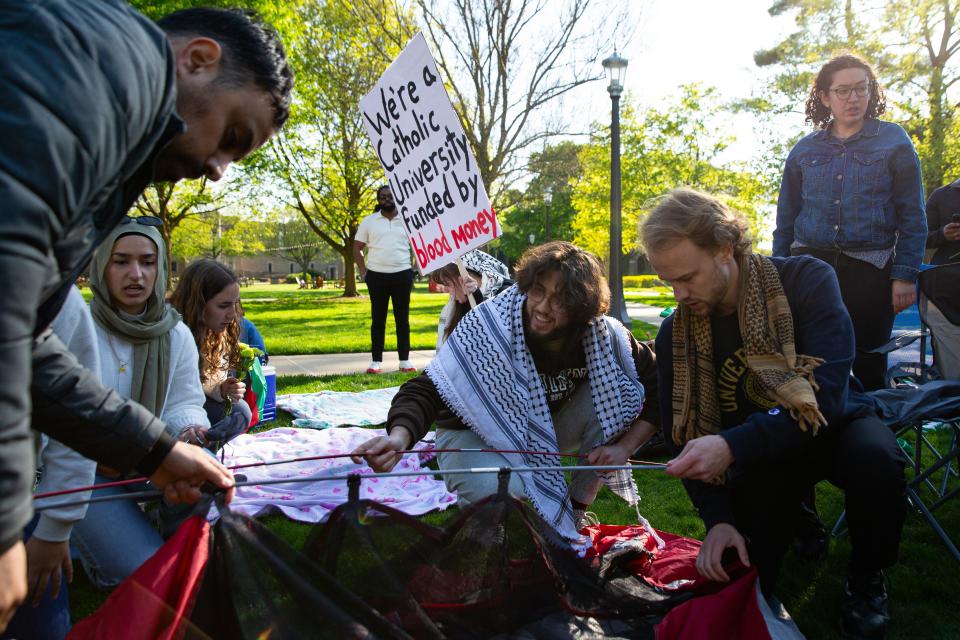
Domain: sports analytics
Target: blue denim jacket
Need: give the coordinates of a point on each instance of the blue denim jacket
(862, 193)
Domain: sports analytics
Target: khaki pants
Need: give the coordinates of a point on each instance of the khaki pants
(578, 431)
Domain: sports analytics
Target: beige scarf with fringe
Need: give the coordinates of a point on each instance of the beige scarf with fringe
(766, 327)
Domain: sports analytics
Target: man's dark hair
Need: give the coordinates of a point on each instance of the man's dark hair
(252, 51)
(583, 289)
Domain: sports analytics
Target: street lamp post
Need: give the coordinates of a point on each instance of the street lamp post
(616, 68)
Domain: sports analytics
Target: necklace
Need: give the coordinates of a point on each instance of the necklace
(123, 363)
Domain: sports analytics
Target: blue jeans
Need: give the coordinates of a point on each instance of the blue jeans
(114, 538)
(49, 620)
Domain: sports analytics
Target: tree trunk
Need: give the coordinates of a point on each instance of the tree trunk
(349, 277)
(933, 169)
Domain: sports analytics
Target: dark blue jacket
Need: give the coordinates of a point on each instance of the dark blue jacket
(862, 193)
(822, 329)
(87, 98)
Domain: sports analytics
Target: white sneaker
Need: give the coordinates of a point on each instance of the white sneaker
(406, 366)
(374, 367)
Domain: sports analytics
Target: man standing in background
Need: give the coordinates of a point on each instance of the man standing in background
(388, 275)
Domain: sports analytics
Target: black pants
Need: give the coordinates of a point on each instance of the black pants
(867, 293)
(862, 458)
(384, 287)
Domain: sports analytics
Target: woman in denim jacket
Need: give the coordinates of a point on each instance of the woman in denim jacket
(852, 195)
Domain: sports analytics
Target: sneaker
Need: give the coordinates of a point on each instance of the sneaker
(374, 367)
(406, 366)
(865, 612)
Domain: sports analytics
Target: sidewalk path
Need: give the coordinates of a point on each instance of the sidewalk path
(346, 363)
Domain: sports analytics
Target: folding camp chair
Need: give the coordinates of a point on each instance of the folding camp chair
(928, 396)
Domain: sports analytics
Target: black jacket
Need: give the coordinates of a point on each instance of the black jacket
(942, 205)
(87, 98)
(822, 328)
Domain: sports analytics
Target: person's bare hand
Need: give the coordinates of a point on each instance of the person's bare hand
(185, 469)
(952, 231)
(702, 458)
(710, 559)
(904, 294)
(194, 435)
(47, 562)
(233, 389)
(462, 287)
(611, 454)
(13, 582)
(381, 452)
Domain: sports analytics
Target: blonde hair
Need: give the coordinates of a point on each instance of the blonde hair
(698, 217)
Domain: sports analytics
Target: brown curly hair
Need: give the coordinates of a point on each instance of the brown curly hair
(200, 283)
(818, 114)
(583, 289)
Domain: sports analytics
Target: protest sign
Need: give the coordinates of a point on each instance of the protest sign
(430, 167)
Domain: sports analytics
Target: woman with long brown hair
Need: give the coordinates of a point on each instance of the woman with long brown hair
(207, 297)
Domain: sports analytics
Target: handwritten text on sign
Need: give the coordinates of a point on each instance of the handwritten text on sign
(430, 167)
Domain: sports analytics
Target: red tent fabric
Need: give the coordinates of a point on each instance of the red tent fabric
(156, 601)
(720, 611)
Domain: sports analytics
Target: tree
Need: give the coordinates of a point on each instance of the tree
(661, 150)
(912, 46)
(215, 235)
(322, 161)
(545, 209)
(176, 204)
(506, 63)
(295, 240)
(923, 67)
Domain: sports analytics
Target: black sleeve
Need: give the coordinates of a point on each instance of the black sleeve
(65, 131)
(935, 224)
(711, 501)
(646, 363)
(415, 407)
(823, 330)
(70, 405)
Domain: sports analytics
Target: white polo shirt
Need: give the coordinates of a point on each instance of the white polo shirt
(388, 249)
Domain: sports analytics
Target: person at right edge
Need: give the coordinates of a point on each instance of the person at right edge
(755, 364)
(943, 221)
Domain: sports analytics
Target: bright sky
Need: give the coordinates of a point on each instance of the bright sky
(678, 42)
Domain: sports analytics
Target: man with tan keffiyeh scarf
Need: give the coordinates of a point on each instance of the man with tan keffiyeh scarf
(755, 365)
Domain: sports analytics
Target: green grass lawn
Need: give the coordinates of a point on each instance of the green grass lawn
(312, 321)
(322, 321)
(924, 585)
(654, 296)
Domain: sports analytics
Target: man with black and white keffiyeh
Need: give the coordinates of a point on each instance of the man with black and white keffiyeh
(538, 368)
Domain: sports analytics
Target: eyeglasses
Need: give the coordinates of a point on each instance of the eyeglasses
(537, 294)
(861, 91)
(148, 221)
